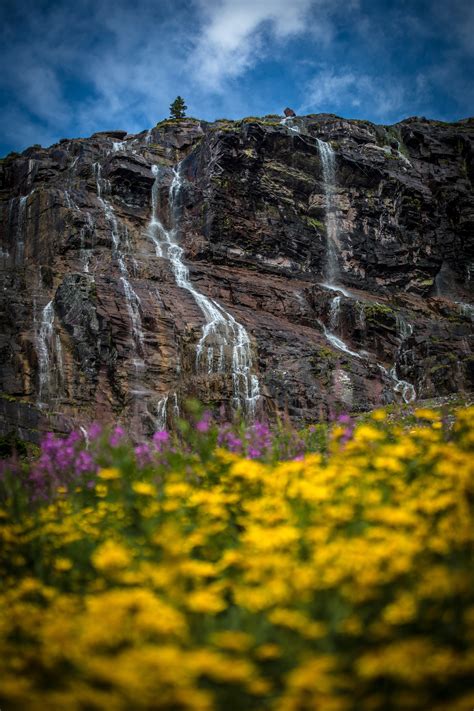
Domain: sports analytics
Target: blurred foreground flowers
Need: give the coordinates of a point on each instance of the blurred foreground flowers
(233, 573)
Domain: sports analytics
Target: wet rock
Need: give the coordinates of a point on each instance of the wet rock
(251, 219)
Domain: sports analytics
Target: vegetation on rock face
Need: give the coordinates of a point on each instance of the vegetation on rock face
(316, 224)
(236, 570)
(377, 312)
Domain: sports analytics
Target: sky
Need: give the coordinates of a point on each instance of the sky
(72, 68)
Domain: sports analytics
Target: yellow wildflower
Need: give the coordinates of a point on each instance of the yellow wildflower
(144, 488)
(109, 474)
(63, 564)
(110, 557)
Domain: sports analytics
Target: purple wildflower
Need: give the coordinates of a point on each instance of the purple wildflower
(116, 436)
(95, 430)
(204, 423)
(83, 463)
(143, 454)
(344, 419)
(160, 439)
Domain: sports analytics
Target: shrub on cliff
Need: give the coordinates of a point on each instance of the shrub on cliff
(178, 108)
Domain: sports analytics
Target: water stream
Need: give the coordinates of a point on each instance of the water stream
(224, 343)
(132, 299)
(50, 356)
(20, 204)
(332, 273)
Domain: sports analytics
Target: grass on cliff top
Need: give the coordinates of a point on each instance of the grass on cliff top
(216, 572)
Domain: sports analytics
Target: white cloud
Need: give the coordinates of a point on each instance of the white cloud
(231, 37)
(331, 90)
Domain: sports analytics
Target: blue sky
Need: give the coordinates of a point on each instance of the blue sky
(70, 69)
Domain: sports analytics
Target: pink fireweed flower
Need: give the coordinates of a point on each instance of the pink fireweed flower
(83, 463)
(94, 431)
(160, 439)
(143, 454)
(204, 423)
(344, 419)
(116, 437)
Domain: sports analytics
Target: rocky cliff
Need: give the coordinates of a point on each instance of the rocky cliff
(298, 266)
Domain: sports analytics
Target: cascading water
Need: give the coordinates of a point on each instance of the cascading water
(288, 122)
(223, 338)
(466, 309)
(84, 254)
(328, 162)
(334, 313)
(332, 274)
(331, 265)
(131, 298)
(21, 205)
(406, 389)
(161, 413)
(50, 357)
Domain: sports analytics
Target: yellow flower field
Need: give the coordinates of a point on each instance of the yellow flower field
(339, 582)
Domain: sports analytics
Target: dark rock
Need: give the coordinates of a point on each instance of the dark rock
(250, 217)
(110, 134)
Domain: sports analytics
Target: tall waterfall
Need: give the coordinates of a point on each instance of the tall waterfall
(132, 299)
(20, 207)
(224, 342)
(328, 162)
(406, 389)
(50, 356)
(332, 272)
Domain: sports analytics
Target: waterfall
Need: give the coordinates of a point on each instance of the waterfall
(161, 413)
(465, 309)
(132, 299)
(406, 389)
(334, 323)
(288, 123)
(339, 343)
(50, 356)
(85, 255)
(328, 162)
(223, 338)
(334, 313)
(332, 273)
(22, 215)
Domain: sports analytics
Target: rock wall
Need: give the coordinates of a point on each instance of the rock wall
(191, 260)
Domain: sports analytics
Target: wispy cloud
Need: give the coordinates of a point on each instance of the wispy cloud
(232, 37)
(71, 69)
(331, 90)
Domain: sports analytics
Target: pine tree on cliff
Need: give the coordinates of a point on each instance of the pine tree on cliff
(178, 108)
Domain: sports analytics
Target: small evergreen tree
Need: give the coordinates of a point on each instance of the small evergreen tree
(178, 108)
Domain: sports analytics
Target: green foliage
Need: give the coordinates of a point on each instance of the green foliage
(10, 444)
(378, 312)
(316, 224)
(178, 108)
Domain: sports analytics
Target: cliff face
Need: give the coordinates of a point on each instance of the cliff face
(264, 266)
